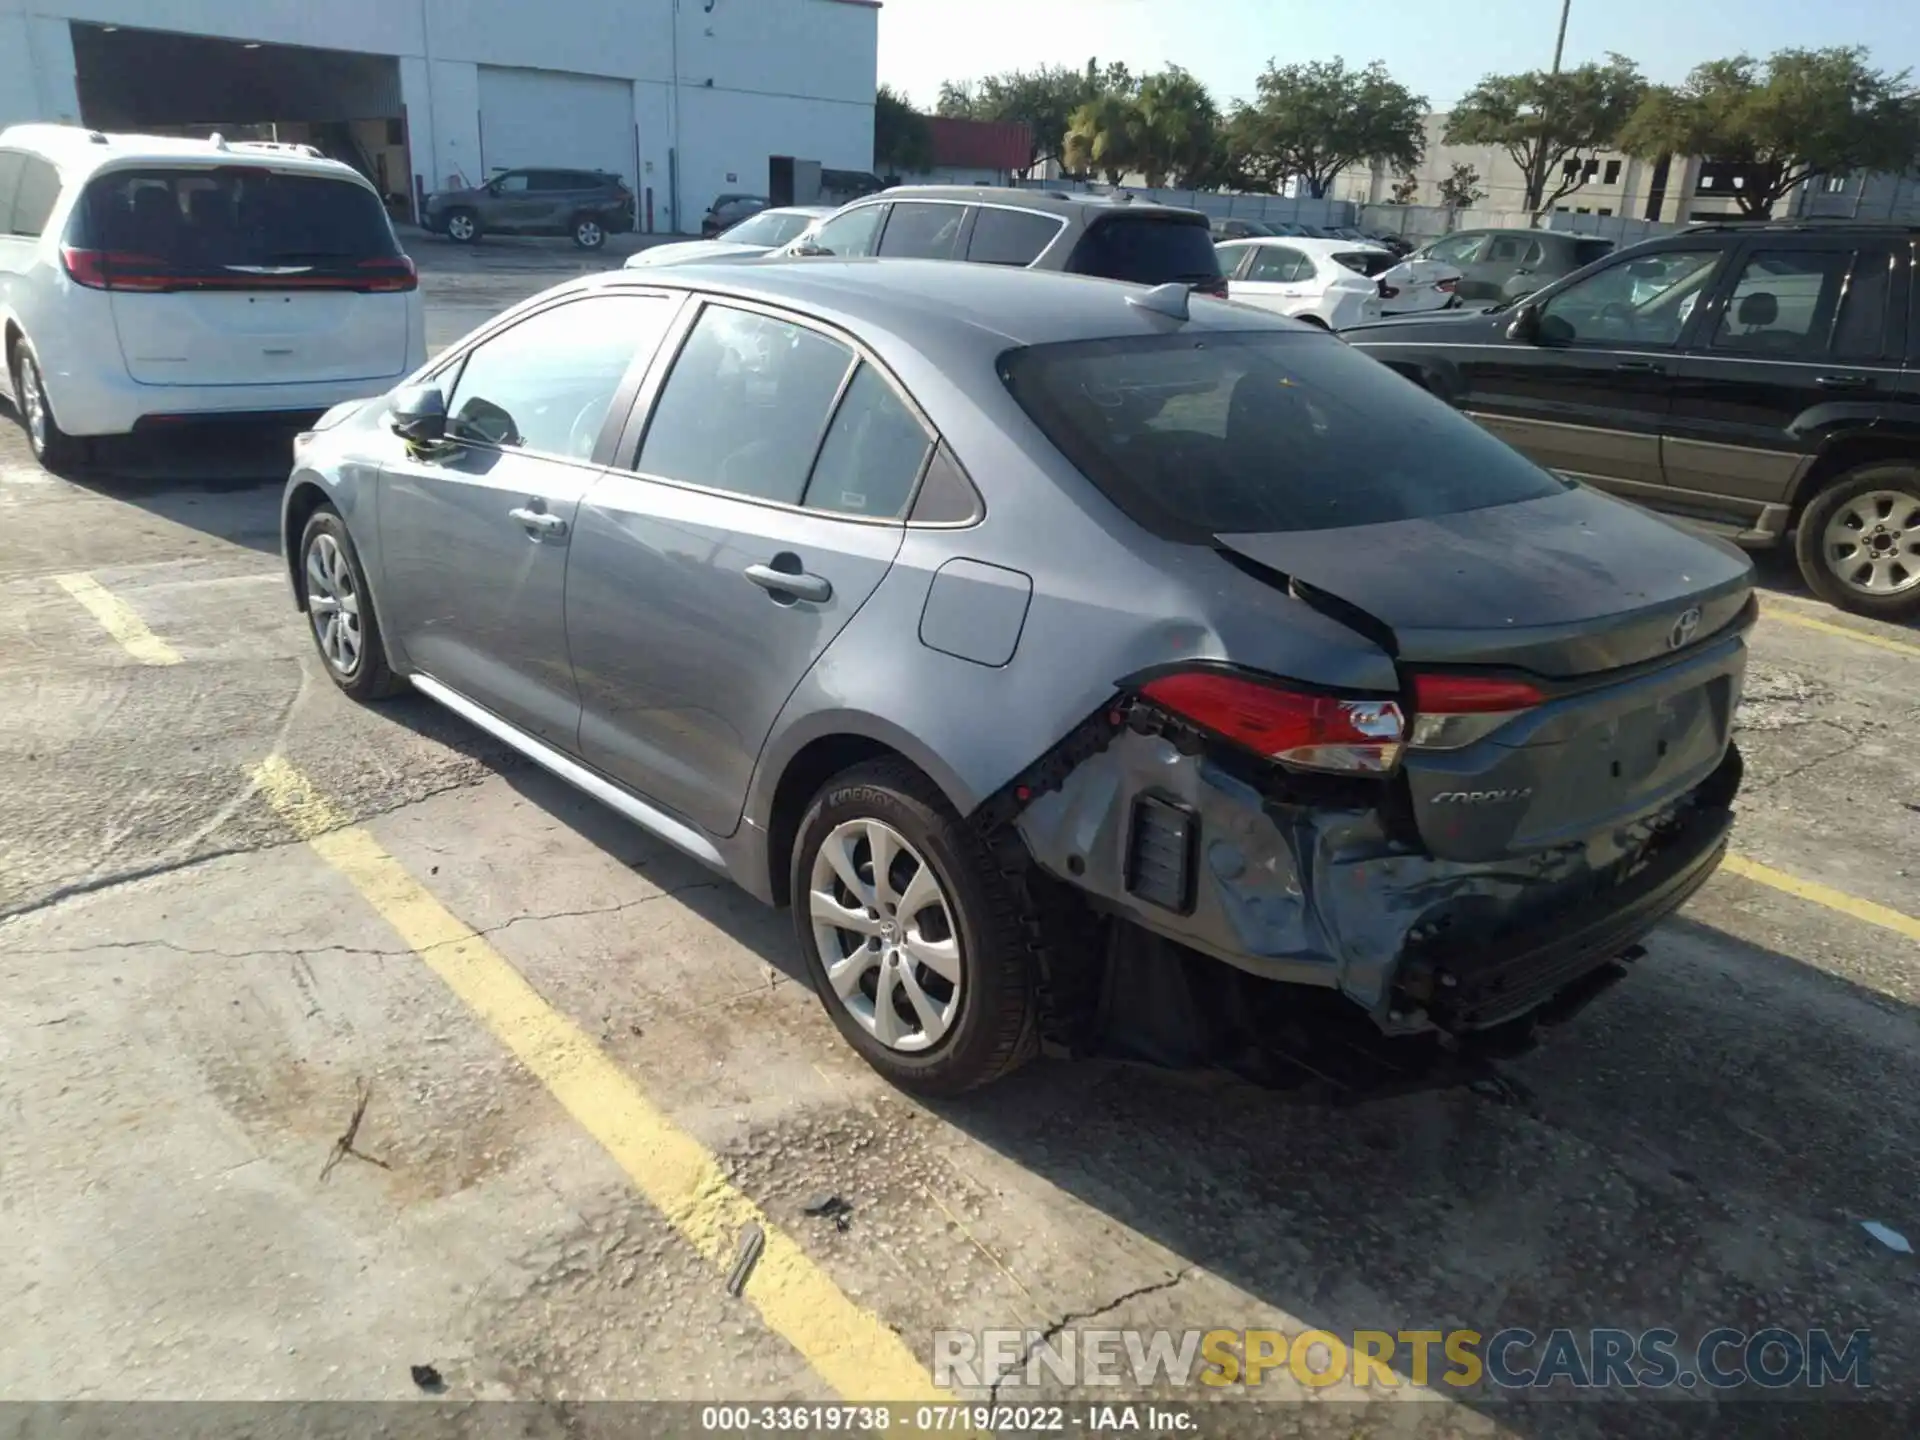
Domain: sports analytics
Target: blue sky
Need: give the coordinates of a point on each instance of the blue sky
(1437, 49)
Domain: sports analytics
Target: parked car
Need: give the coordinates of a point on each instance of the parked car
(957, 606)
(1228, 227)
(147, 280)
(1117, 238)
(748, 240)
(1501, 265)
(1762, 381)
(1334, 283)
(588, 205)
(729, 210)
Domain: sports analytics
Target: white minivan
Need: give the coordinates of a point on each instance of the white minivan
(146, 281)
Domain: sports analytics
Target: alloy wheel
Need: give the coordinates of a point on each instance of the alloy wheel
(460, 227)
(33, 403)
(333, 604)
(589, 234)
(886, 936)
(1872, 543)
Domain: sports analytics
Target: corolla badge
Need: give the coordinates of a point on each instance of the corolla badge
(1684, 629)
(1482, 797)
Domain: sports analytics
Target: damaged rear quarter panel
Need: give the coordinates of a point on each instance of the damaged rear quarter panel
(1303, 894)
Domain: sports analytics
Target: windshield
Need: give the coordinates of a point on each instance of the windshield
(1204, 434)
(231, 218)
(769, 228)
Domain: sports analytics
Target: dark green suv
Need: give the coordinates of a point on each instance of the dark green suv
(588, 205)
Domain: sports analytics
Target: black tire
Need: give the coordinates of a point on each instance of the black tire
(370, 676)
(589, 232)
(58, 452)
(461, 225)
(997, 1028)
(1897, 477)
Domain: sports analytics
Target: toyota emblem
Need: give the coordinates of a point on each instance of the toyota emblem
(1681, 634)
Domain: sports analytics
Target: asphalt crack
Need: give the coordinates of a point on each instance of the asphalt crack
(1075, 1317)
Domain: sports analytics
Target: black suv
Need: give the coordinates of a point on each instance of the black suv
(588, 205)
(1115, 237)
(1760, 380)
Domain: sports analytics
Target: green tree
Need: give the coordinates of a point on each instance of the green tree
(1802, 113)
(1043, 100)
(1317, 119)
(1461, 189)
(1544, 120)
(902, 138)
(1176, 129)
(1103, 138)
(1406, 189)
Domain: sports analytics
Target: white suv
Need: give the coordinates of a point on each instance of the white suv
(146, 280)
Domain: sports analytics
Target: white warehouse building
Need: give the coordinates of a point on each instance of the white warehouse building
(686, 99)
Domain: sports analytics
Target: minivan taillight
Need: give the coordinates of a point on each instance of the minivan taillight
(1455, 710)
(113, 270)
(1301, 728)
(388, 273)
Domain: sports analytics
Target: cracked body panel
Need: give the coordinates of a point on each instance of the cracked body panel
(1330, 896)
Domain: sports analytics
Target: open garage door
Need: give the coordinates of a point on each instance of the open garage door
(160, 82)
(550, 118)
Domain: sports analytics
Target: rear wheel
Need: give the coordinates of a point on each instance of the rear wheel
(340, 610)
(589, 233)
(913, 938)
(56, 450)
(1858, 542)
(463, 226)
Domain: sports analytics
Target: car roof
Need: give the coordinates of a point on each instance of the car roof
(1307, 244)
(1050, 202)
(812, 211)
(999, 305)
(78, 151)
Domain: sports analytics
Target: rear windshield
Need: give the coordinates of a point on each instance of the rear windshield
(1367, 262)
(233, 217)
(1218, 433)
(1147, 249)
(1585, 252)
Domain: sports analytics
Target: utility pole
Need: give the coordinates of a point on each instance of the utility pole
(1560, 40)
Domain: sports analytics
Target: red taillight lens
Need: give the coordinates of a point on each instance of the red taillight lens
(112, 270)
(389, 273)
(1295, 727)
(1455, 710)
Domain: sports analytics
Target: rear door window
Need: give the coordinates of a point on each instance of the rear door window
(745, 405)
(1010, 237)
(1148, 250)
(236, 225)
(1783, 303)
(1861, 331)
(1237, 432)
(34, 196)
(1280, 265)
(919, 231)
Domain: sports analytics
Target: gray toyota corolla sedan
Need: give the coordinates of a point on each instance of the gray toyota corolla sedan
(992, 618)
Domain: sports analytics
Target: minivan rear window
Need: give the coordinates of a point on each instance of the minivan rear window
(1148, 250)
(232, 223)
(1218, 433)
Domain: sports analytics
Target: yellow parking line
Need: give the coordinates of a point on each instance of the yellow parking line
(852, 1349)
(118, 619)
(1774, 611)
(1812, 890)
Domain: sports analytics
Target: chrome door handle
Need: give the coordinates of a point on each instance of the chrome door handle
(791, 582)
(539, 521)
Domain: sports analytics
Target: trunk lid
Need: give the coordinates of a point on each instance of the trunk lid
(1632, 629)
(260, 337)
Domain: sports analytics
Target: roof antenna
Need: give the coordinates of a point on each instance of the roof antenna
(1169, 300)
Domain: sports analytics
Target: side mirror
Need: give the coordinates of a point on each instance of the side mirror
(418, 414)
(1525, 325)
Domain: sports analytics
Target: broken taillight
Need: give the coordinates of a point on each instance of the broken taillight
(1301, 728)
(1455, 710)
(1446, 287)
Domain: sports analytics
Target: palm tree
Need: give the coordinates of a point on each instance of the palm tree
(1102, 137)
(1175, 128)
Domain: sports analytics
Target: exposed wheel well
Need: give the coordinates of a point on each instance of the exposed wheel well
(300, 508)
(1308, 317)
(12, 337)
(817, 762)
(1848, 453)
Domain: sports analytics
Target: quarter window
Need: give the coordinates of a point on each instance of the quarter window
(922, 232)
(546, 384)
(873, 453)
(745, 406)
(1642, 303)
(1784, 303)
(1861, 332)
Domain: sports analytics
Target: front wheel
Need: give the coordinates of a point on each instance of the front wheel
(913, 939)
(346, 632)
(588, 233)
(463, 227)
(1858, 541)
